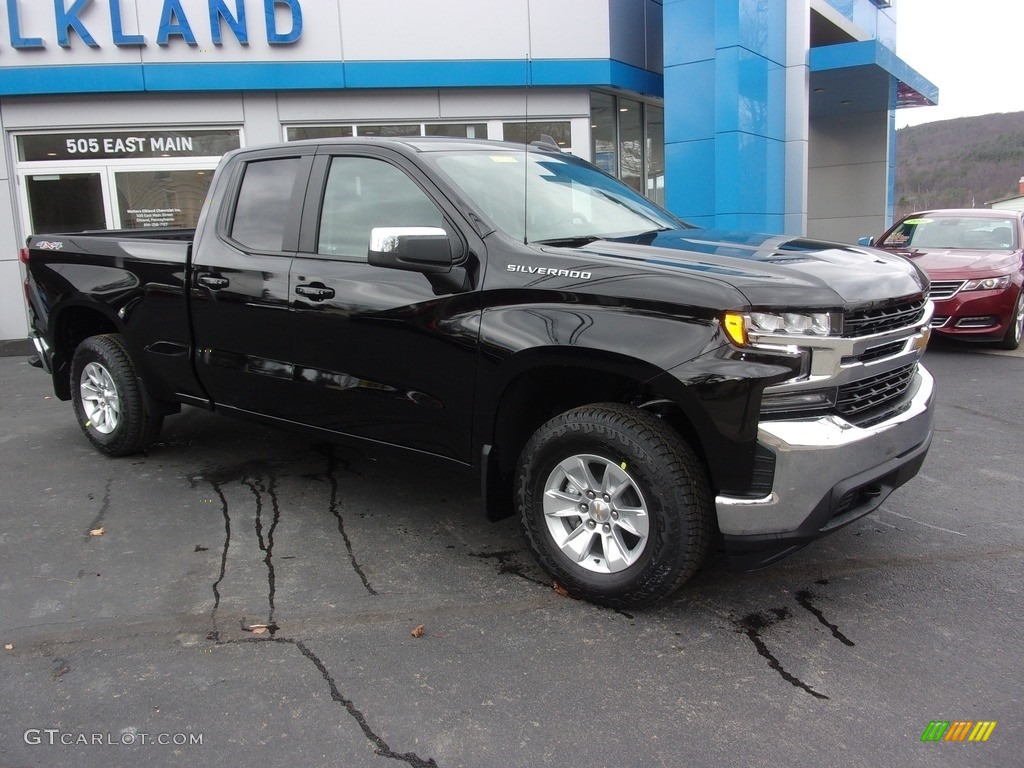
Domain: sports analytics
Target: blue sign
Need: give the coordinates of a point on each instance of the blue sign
(174, 24)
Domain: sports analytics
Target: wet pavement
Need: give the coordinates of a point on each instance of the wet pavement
(240, 595)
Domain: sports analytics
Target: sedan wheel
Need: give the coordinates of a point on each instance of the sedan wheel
(1016, 329)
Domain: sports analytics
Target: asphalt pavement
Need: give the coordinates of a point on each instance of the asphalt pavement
(241, 596)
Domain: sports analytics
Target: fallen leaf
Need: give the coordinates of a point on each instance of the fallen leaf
(419, 630)
(261, 629)
(9, 647)
(97, 531)
(559, 589)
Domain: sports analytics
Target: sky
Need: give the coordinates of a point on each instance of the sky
(971, 50)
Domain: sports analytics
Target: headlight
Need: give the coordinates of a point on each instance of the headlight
(739, 325)
(987, 284)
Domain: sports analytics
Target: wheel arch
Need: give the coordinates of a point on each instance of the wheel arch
(540, 384)
(72, 324)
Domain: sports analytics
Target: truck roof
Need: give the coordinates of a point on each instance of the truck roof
(421, 144)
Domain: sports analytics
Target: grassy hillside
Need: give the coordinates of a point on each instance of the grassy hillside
(959, 163)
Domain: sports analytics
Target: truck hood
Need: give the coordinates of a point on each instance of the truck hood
(774, 270)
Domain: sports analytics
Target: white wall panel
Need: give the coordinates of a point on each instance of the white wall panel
(13, 316)
(357, 106)
(120, 110)
(570, 29)
(411, 30)
(262, 125)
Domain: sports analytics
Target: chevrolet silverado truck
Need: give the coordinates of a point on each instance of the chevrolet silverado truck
(636, 390)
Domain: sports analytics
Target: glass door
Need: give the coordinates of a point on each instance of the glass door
(71, 201)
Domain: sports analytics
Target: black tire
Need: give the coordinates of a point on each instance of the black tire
(603, 556)
(108, 398)
(1011, 339)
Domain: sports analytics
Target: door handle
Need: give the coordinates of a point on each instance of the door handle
(211, 281)
(315, 291)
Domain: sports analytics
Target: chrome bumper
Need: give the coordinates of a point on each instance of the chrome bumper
(819, 462)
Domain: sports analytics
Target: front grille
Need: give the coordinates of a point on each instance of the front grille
(869, 321)
(860, 397)
(883, 350)
(945, 289)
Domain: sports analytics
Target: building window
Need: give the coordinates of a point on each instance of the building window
(627, 140)
(522, 132)
(318, 132)
(459, 130)
(132, 178)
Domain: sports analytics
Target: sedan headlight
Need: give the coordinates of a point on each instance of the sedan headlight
(987, 284)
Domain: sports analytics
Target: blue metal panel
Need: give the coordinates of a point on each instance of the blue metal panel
(871, 53)
(751, 94)
(268, 76)
(115, 78)
(434, 74)
(596, 72)
(757, 25)
(690, 115)
(692, 192)
(238, 76)
(690, 31)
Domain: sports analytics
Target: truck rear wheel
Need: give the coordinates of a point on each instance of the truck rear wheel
(615, 505)
(108, 398)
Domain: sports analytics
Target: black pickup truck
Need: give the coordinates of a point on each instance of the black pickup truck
(633, 388)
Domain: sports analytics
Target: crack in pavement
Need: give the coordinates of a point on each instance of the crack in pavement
(752, 625)
(803, 597)
(104, 508)
(266, 544)
(260, 490)
(330, 455)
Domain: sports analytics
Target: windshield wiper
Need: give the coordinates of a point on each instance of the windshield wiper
(569, 242)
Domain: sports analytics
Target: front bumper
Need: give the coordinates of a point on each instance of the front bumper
(828, 473)
(981, 315)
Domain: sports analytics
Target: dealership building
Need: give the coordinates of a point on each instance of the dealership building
(770, 115)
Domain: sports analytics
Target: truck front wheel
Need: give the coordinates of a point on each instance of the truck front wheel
(615, 505)
(108, 398)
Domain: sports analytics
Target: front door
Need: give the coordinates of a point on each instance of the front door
(380, 353)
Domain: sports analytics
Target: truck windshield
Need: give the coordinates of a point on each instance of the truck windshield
(539, 197)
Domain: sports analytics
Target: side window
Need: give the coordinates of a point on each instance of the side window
(363, 193)
(264, 203)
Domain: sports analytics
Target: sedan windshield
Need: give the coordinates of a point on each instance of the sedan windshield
(955, 232)
(541, 197)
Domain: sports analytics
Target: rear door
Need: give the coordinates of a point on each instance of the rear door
(383, 354)
(240, 299)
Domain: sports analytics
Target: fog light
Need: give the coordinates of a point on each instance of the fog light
(814, 400)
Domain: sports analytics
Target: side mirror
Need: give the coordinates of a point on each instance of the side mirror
(415, 249)
(866, 241)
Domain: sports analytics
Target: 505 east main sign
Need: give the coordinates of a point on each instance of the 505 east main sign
(78, 21)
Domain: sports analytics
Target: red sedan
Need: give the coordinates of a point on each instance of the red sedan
(975, 261)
